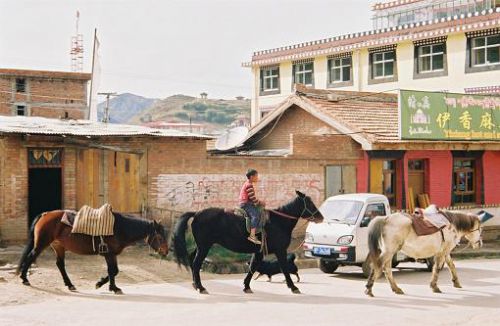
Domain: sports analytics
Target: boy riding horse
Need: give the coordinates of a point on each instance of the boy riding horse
(250, 203)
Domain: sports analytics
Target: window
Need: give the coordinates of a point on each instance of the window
(374, 210)
(464, 181)
(303, 73)
(340, 71)
(485, 51)
(270, 80)
(20, 85)
(20, 110)
(431, 58)
(389, 181)
(383, 64)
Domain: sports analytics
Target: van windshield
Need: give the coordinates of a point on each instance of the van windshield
(341, 211)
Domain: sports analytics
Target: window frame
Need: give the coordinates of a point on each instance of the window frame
(271, 91)
(455, 175)
(418, 73)
(302, 72)
(24, 108)
(342, 83)
(385, 78)
(469, 66)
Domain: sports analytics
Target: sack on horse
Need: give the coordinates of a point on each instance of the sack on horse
(94, 222)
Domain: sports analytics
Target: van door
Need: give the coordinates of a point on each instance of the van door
(371, 211)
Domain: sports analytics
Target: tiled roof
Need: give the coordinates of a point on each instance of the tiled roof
(392, 4)
(44, 74)
(371, 119)
(86, 128)
(374, 38)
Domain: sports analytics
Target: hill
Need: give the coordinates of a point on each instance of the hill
(124, 106)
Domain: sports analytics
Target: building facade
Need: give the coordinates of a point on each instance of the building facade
(442, 45)
(50, 94)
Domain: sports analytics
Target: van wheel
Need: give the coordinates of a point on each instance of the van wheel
(367, 269)
(328, 266)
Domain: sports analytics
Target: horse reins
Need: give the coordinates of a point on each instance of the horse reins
(291, 217)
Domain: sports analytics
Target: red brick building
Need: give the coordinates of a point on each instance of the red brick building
(50, 94)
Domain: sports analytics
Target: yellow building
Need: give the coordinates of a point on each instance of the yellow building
(435, 45)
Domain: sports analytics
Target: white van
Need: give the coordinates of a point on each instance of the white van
(342, 238)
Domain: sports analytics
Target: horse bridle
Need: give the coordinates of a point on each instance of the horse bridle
(155, 237)
(305, 210)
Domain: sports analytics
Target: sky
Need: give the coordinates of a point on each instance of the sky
(159, 48)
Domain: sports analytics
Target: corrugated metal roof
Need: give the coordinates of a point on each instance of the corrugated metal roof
(45, 126)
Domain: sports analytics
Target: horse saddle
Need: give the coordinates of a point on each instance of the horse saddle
(264, 217)
(94, 222)
(428, 221)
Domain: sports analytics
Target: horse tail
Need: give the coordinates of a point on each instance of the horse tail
(29, 246)
(179, 240)
(374, 238)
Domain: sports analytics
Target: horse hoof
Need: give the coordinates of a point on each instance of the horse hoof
(203, 291)
(369, 293)
(457, 285)
(436, 290)
(248, 290)
(98, 285)
(296, 291)
(399, 291)
(118, 291)
(72, 288)
(27, 283)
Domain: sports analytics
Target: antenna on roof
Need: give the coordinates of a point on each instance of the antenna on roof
(76, 52)
(231, 138)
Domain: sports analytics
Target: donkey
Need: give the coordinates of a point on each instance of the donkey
(215, 225)
(389, 234)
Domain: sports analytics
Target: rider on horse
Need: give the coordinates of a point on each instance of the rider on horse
(250, 203)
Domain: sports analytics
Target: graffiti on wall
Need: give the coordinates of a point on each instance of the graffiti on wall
(196, 191)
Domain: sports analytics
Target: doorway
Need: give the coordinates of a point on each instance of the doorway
(416, 179)
(44, 191)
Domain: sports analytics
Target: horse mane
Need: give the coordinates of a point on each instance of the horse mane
(463, 222)
(131, 225)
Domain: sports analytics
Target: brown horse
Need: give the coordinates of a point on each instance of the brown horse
(48, 230)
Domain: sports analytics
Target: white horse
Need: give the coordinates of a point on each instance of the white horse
(389, 234)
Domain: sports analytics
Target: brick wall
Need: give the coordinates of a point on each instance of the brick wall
(439, 174)
(46, 97)
(294, 121)
(491, 170)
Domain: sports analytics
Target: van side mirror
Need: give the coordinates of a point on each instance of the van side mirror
(365, 221)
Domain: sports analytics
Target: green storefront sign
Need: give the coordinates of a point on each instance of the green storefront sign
(448, 116)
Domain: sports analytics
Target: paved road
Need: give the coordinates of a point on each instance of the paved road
(327, 299)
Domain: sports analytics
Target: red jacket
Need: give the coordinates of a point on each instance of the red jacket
(247, 194)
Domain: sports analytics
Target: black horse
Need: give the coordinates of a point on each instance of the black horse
(215, 225)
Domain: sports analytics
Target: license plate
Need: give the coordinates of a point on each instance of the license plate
(321, 251)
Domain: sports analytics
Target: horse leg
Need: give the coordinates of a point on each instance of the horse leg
(40, 245)
(387, 265)
(281, 255)
(256, 260)
(102, 281)
(201, 254)
(453, 271)
(438, 260)
(112, 272)
(61, 253)
(374, 273)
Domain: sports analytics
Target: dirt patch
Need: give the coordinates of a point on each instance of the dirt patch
(137, 265)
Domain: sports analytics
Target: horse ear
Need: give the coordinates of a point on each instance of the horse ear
(299, 193)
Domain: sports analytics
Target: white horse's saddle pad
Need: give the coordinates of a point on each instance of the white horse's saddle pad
(432, 214)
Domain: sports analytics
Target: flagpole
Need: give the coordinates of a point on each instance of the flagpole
(92, 74)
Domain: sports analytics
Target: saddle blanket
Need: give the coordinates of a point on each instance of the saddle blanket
(433, 215)
(94, 222)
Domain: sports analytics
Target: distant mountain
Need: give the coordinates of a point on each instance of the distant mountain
(215, 115)
(124, 106)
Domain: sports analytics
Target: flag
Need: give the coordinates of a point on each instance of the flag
(94, 82)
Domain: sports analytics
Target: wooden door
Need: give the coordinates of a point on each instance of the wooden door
(416, 178)
(123, 180)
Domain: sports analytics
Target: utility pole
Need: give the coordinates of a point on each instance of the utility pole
(105, 118)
